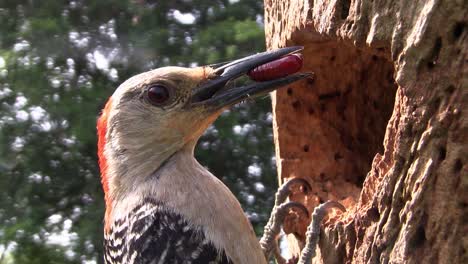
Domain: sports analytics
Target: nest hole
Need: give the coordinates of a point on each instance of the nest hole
(354, 95)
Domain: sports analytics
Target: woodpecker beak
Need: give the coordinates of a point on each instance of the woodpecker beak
(216, 92)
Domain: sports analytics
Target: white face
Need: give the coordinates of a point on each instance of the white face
(150, 119)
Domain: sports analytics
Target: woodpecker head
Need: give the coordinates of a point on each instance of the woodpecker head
(156, 114)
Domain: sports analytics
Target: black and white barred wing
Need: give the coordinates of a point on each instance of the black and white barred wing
(151, 235)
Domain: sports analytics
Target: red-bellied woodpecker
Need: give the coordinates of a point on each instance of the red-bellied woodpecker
(162, 206)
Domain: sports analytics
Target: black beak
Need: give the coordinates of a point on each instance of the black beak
(214, 93)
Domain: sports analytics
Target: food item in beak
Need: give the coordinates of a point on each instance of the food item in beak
(276, 69)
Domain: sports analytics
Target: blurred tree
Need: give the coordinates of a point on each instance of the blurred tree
(59, 62)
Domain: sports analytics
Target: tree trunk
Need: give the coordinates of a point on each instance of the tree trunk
(381, 128)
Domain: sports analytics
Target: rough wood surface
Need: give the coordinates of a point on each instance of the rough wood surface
(382, 128)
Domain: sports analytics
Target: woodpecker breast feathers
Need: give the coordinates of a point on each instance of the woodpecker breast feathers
(162, 206)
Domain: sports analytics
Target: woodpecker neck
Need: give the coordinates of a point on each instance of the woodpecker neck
(130, 156)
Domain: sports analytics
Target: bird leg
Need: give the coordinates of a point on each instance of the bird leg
(269, 242)
(313, 230)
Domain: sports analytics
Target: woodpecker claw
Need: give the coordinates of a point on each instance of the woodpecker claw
(313, 230)
(285, 189)
(268, 242)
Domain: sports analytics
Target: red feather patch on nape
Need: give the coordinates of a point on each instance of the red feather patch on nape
(103, 166)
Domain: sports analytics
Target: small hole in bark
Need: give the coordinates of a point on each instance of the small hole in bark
(296, 104)
(434, 56)
(338, 156)
(330, 95)
(375, 104)
(463, 205)
(390, 78)
(345, 4)
(419, 237)
(442, 153)
(373, 214)
(457, 166)
(349, 88)
(310, 110)
(431, 64)
(450, 89)
(322, 176)
(289, 91)
(323, 108)
(458, 30)
(374, 57)
(436, 103)
(306, 148)
(332, 58)
(310, 81)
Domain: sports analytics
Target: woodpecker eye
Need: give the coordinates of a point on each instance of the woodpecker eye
(158, 94)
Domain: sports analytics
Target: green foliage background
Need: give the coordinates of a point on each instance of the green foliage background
(53, 83)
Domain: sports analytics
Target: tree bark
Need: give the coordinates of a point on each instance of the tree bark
(381, 128)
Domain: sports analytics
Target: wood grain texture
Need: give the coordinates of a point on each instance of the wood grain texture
(382, 127)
